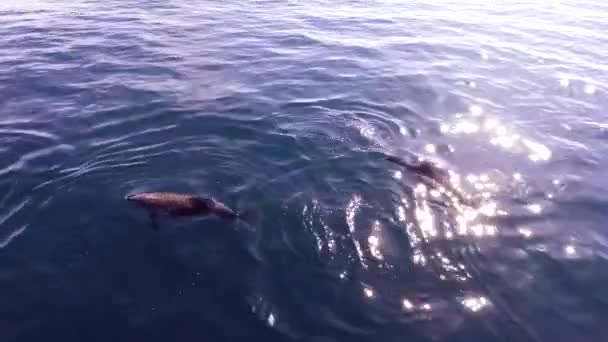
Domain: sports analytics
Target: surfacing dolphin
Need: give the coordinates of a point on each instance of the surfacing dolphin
(180, 204)
(434, 176)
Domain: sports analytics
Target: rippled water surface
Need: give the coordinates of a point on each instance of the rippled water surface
(286, 110)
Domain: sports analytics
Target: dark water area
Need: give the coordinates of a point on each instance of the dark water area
(286, 110)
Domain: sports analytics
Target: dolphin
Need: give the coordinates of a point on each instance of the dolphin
(423, 168)
(180, 204)
(434, 176)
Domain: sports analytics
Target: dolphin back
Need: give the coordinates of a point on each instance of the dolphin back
(163, 199)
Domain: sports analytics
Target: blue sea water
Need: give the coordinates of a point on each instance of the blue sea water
(286, 110)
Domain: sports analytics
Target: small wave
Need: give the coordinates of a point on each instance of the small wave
(8, 239)
(72, 174)
(29, 132)
(10, 214)
(115, 140)
(123, 120)
(25, 160)
(13, 211)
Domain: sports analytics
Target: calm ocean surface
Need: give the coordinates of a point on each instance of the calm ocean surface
(286, 110)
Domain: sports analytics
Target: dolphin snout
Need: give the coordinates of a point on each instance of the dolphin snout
(142, 197)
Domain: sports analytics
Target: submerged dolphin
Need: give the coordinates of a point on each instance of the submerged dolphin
(437, 176)
(180, 204)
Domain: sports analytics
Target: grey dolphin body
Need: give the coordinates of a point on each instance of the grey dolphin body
(423, 168)
(180, 204)
(435, 176)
